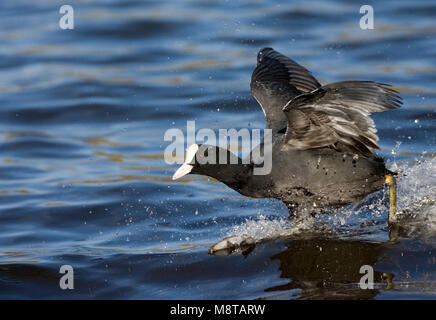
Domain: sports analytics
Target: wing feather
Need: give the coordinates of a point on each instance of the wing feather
(337, 115)
(276, 80)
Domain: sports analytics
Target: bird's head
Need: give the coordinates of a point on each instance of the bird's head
(206, 160)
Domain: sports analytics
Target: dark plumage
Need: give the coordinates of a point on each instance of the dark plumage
(323, 139)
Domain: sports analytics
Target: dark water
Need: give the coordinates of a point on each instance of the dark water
(83, 181)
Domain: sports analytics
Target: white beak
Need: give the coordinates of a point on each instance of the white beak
(182, 171)
(186, 168)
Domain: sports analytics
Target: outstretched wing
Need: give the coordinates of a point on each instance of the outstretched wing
(337, 115)
(276, 80)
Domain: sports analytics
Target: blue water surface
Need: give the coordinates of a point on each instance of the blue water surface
(83, 181)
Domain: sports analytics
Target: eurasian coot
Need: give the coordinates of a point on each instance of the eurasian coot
(323, 140)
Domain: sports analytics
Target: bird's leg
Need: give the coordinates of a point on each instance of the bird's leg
(394, 232)
(392, 184)
(301, 212)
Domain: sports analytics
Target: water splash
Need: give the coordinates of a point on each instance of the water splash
(416, 190)
(263, 228)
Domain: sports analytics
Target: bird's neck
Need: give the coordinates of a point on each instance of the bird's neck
(240, 178)
(235, 176)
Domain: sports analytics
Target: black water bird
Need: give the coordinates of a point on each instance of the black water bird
(323, 140)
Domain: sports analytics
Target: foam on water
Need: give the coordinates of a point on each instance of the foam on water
(416, 194)
(416, 184)
(263, 228)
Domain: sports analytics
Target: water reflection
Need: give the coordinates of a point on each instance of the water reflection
(330, 268)
(323, 268)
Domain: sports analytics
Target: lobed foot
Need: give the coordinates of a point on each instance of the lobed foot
(234, 244)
